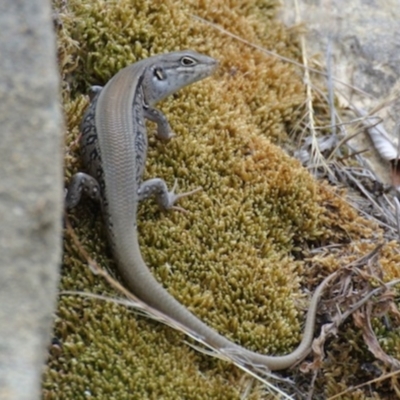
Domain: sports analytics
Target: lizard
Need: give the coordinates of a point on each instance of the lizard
(114, 147)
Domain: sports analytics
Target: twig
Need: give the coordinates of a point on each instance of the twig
(316, 156)
(380, 379)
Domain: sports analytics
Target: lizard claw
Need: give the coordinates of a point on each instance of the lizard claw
(174, 197)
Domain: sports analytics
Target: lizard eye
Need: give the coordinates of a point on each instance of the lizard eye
(159, 74)
(186, 61)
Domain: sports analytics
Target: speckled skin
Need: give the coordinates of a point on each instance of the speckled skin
(114, 151)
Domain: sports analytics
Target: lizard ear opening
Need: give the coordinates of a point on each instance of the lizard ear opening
(187, 61)
(159, 74)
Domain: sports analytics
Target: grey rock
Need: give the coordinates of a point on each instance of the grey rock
(31, 193)
(365, 39)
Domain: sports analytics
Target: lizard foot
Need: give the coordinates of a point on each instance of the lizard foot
(174, 197)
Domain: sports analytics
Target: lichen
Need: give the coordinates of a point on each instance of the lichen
(231, 258)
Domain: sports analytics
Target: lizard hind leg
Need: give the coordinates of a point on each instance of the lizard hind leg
(165, 199)
(81, 183)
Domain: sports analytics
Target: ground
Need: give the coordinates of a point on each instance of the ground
(246, 252)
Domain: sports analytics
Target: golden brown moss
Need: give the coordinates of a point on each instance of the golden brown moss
(230, 258)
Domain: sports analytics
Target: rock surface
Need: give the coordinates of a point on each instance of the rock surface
(365, 40)
(30, 193)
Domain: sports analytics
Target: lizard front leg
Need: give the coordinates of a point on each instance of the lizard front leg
(165, 199)
(157, 187)
(164, 131)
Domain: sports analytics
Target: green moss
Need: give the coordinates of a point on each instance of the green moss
(230, 259)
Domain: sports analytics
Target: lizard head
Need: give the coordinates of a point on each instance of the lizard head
(172, 71)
